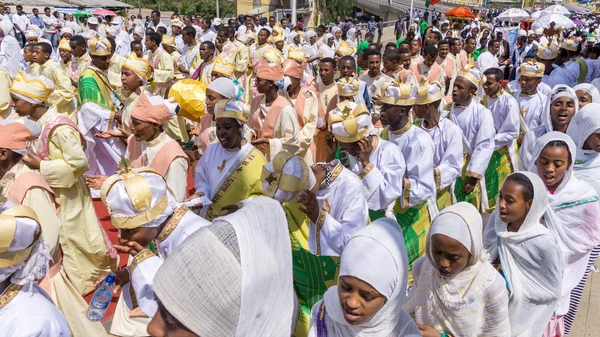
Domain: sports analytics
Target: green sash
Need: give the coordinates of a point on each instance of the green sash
(498, 169)
(583, 70)
(473, 197)
(92, 88)
(444, 198)
(313, 274)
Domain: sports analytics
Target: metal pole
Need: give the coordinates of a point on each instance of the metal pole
(523, 4)
(218, 9)
(140, 7)
(412, 3)
(294, 3)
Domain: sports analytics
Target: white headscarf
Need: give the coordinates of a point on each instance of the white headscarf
(385, 268)
(225, 87)
(590, 89)
(573, 216)
(244, 263)
(337, 41)
(351, 37)
(531, 262)
(290, 39)
(587, 164)
(325, 50)
(6, 27)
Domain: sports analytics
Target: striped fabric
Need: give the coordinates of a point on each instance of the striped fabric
(499, 168)
(577, 293)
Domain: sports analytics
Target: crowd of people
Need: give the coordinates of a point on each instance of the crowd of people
(444, 184)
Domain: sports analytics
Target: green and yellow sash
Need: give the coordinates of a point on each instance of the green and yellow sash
(473, 197)
(313, 274)
(92, 88)
(500, 167)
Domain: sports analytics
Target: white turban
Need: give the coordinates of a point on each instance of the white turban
(225, 87)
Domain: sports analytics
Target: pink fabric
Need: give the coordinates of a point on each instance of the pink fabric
(47, 133)
(555, 328)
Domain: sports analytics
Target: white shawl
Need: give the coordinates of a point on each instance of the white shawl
(590, 89)
(587, 163)
(574, 217)
(531, 262)
(325, 50)
(473, 302)
(385, 268)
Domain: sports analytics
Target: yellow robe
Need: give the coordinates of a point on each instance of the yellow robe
(62, 97)
(83, 241)
(114, 72)
(83, 62)
(64, 295)
(176, 56)
(5, 100)
(164, 72)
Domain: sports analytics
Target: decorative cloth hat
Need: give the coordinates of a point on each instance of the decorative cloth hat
(429, 93)
(269, 71)
(398, 93)
(14, 134)
(296, 54)
(33, 89)
(136, 198)
(19, 233)
(570, 45)
(99, 46)
(168, 40)
(113, 31)
(531, 68)
(293, 69)
(350, 122)
(546, 52)
(285, 176)
(347, 86)
(177, 23)
(92, 21)
(345, 49)
(139, 66)
(64, 45)
(232, 109)
(222, 67)
(473, 75)
(273, 56)
(151, 109)
(67, 30)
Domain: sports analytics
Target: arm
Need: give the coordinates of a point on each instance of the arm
(483, 147)
(166, 71)
(451, 163)
(509, 130)
(201, 177)
(383, 184)
(63, 93)
(176, 178)
(242, 59)
(65, 169)
(142, 281)
(43, 204)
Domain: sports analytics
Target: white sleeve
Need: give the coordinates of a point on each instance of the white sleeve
(383, 184)
(142, 281)
(176, 178)
(509, 130)
(483, 146)
(451, 163)
(419, 184)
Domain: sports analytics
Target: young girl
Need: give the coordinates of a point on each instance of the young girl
(585, 132)
(587, 93)
(526, 253)
(575, 219)
(560, 109)
(372, 288)
(455, 259)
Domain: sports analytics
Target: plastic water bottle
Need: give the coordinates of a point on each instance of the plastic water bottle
(101, 299)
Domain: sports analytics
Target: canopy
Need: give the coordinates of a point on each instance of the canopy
(560, 21)
(461, 13)
(557, 9)
(80, 14)
(104, 12)
(514, 15)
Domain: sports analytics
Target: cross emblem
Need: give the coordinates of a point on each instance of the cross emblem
(271, 178)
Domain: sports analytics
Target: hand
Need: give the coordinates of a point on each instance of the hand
(309, 205)
(121, 279)
(331, 146)
(195, 131)
(366, 147)
(520, 139)
(120, 133)
(74, 83)
(469, 185)
(119, 115)
(130, 247)
(95, 181)
(376, 100)
(193, 155)
(32, 161)
(196, 207)
(182, 69)
(261, 144)
(229, 209)
(428, 331)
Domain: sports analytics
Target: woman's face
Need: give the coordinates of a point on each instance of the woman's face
(449, 255)
(552, 165)
(584, 98)
(592, 142)
(21, 106)
(229, 132)
(143, 131)
(512, 206)
(163, 324)
(212, 98)
(297, 39)
(130, 79)
(330, 42)
(561, 113)
(358, 299)
(338, 34)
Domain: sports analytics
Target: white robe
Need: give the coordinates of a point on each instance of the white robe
(505, 111)
(486, 61)
(568, 74)
(347, 213)
(383, 181)
(448, 151)
(531, 109)
(374, 85)
(10, 52)
(417, 148)
(32, 313)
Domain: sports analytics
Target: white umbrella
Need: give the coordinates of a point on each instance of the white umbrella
(513, 15)
(538, 14)
(258, 11)
(557, 9)
(560, 21)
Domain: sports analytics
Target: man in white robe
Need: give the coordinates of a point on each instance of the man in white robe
(489, 59)
(504, 109)
(531, 101)
(374, 79)
(10, 50)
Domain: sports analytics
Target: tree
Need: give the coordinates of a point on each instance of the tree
(331, 9)
(207, 8)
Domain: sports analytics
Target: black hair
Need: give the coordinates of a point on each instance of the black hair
(230, 31)
(404, 43)
(265, 30)
(154, 37)
(329, 60)
(370, 52)
(563, 144)
(392, 55)
(470, 38)
(78, 39)
(493, 41)
(348, 58)
(368, 34)
(444, 42)
(403, 50)
(223, 29)
(135, 43)
(189, 30)
(113, 43)
(15, 157)
(209, 45)
(524, 182)
(29, 47)
(322, 27)
(45, 46)
(596, 49)
(208, 21)
(496, 72)
(46, 9)
(409, 37)
(391, 45)
(431, 51)
(452, 41)
(438, 35)
(161, 30)
(155, 12)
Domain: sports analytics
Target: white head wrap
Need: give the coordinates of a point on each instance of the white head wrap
(534, 291)
(244, 262)
(35, 266)
(351, 35)
(92, 21)
(560, 90)
(293, 167)
(112, 31)
(139, 30)
(590, 89)
(225, 87)
(385, 268)
(6, 26)
(291, 37)
(522, 32)
(334, 30)
(309, 34)
(435, 300)
(66, 30)
(586, 122)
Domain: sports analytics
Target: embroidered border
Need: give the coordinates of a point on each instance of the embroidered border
(319, 225)
(175, 219)
(139, 258)
(10, 293)
(366, 170)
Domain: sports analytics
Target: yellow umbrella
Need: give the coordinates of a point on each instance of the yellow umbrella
(190, 95)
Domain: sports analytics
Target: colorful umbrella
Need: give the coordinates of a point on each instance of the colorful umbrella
(103, 12)
(460, 13)
(578, 22)
(80, 14)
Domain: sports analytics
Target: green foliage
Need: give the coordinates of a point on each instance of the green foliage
(207, 8)
(331, 9)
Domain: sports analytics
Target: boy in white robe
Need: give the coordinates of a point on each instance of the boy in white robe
(531, 101)
(447, 141)
(378, 163)
(25, 309)
(374, 80)
(477, 126)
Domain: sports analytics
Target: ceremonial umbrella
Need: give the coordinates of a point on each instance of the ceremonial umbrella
(80, 14)
(561, 22)
(460, 13)
(557, 9)
(538, 14)
(578, 22)
(104, 12)
(191, 97)
(514, 15)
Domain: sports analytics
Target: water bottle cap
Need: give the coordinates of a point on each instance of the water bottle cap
(110, 278)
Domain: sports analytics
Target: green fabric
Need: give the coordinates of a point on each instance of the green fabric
(423, 26)
(498, 169)
(474, 197)
(364, 44)
(583, 70)
(89, 91)
(478, 52)
(400, 40)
